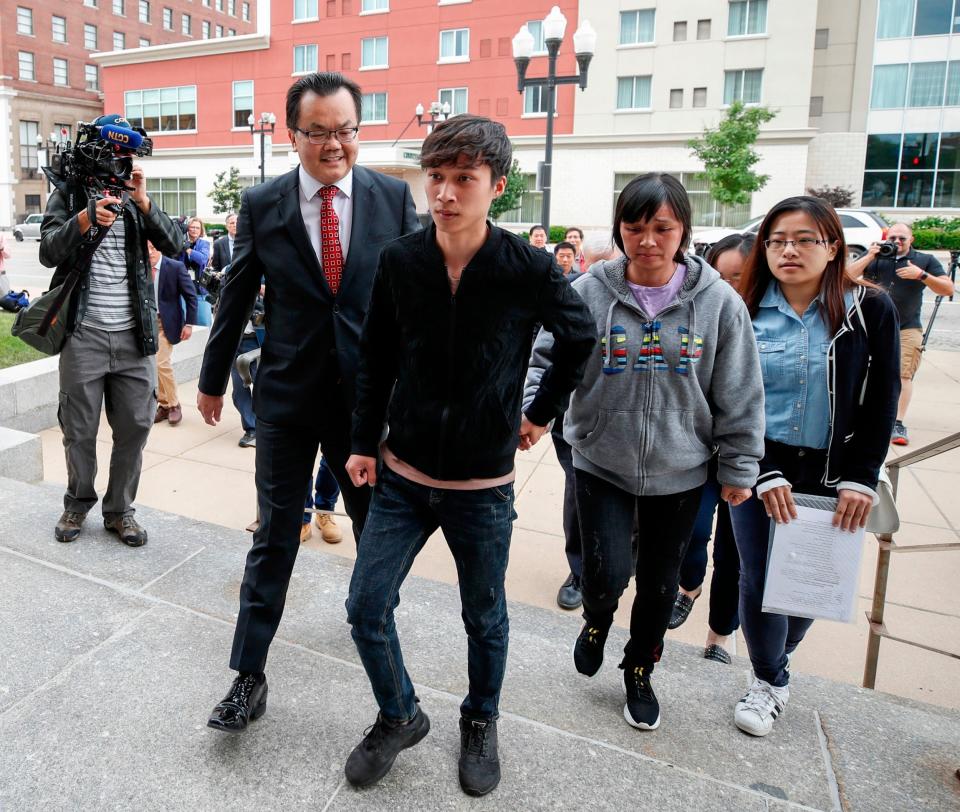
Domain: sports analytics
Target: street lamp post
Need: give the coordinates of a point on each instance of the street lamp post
(268, 123)
(438, 112)
(584, 43)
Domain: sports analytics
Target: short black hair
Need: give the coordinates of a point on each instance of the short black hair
(471, 141)
(564, 244)
(641, 199)
(574, 228)
(537, 227)
(323, 84)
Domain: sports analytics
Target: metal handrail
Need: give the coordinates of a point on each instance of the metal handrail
(887, 546)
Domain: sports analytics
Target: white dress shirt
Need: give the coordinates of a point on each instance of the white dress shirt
(310, 203)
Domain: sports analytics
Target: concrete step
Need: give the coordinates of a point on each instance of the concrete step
(113, 657)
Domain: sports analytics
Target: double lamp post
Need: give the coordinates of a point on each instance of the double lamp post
(268, 123)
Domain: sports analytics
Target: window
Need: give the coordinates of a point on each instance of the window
(933, 17)
(231, 32)
(29, 130)
(373, 52)
(899, 170)
(143, 42)
(926, 84)
(219, 30)
(373, 109)
(821, 39)
(304, 9)
(26, 66)
(90, 37)
(24, 20)
(232, 8)
(91, 76)
(304, 57)
(31, 204)
(680, 31)
(705, 211)
(119, 7)
(60, 72)
(742, 85)
(144, 11)
(219, 5)
(168, 19)
(535, 27)
(175, 196)
(242, 102)
(529, 209)
(90, 3)
(163, 109)
(676, 98)
(816, 106)
(703, 29)
(206, 3)
(58, 28)
(119, 40)
(374, 5)
(205, 28)
(535, 101)
(245, 12)
(747, 17)
(889, 87)
(699, 97)
(455, 45)
(953, 85)
(894, 18)
(636, 26)
(456, 97)
(633, 92)
(185, 25)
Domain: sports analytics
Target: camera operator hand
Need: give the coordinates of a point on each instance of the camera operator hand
(138, 194)
(105, 217)
(210, 407)
(856, 268)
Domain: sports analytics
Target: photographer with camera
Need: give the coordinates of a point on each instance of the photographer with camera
(903, 272)
(101, 197)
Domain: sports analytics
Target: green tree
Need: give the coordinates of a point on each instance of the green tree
(510, 198)
(225, 193)
(728, 156)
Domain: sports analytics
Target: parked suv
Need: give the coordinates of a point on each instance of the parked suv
(29, 229)
(860, 228)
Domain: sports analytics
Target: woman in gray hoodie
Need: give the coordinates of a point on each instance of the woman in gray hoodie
(676, 376)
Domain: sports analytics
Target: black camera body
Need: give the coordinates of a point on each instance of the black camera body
(888, 249)
(212, 281)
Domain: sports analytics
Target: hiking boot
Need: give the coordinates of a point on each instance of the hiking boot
(131, 533)
(329, 531)
(479, 765)
(642, 710)
(588, 650)
(245, 701)
(162, 414)
(68, 525)
(305, 532)
(899, 434)
(759, 709)
(382, 742)
(570, 596)
(682, 606)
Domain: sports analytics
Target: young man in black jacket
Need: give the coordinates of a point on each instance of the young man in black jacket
(444, 353)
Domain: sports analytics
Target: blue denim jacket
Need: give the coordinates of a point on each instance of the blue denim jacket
(793, 357)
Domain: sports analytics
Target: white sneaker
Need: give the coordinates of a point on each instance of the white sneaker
(759, 709)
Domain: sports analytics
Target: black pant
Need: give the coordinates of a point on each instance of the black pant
(285, 459)
(571, 522)
(606, 528)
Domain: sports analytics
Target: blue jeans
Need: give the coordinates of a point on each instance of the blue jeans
(477, 526)
(326, 489)
(242, 396)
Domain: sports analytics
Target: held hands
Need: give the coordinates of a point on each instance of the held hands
(210, 407)
(909, 271)
(362, 470)
(529, 434)
(734, 496)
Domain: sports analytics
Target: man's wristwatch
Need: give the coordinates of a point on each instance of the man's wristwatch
(923, 276)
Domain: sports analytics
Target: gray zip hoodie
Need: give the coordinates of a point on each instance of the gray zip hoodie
(664, 390)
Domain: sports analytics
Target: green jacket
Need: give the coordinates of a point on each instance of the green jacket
(60, 238)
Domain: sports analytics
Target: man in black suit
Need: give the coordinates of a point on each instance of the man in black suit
(314, 237)
(223, 247)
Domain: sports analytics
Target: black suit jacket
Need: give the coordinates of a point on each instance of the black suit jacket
(221, 253)
(312, 336)
(175, 282)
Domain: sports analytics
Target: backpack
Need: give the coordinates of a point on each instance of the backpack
(15, 301)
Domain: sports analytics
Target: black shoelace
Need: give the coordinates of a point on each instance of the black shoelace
(242, 688)
(374, 735)
(477, 739)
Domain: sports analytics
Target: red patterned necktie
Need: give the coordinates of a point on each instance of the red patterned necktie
(331, 254)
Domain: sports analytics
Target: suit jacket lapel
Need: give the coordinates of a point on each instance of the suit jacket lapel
(288, 206)
(363, 203)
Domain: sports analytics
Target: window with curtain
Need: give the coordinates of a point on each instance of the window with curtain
(926, 84)
(304, 56)
(633, 92)
(889, 87)
(242, 102)
(28, 144)
(162, 109)
(747, 17)
(894, 18)
(530, 207)
(175, 196)
(456, 97)
(373, 52)
(535, 27)
(636, 27)
(374, 108)
(742, 85)
(952, 98)
(535, 100)
(455, 44)
(303, 9)
(705, 211)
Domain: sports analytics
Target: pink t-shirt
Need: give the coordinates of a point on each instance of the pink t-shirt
(653, 300)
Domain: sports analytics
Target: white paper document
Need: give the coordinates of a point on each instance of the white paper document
(813, 568)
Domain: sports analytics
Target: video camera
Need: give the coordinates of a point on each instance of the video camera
(101, 158)
(212, 281)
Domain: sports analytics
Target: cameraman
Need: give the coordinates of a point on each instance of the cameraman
(904, 276)
(111, 338)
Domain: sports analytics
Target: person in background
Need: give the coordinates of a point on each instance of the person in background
(726, 257)
(322, 495)
(223, 247)
(196, 251)
(574, 236)
(538, 237)
(677, 376)
(597, 248)
(829, 350)
(565, 254)
(176, 314)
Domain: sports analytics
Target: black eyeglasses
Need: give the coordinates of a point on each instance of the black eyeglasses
(344, 135)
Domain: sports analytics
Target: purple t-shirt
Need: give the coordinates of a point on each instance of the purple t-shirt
(653, 300)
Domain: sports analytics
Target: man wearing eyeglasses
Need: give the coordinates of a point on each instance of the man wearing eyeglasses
(313, 238)
(904, 277)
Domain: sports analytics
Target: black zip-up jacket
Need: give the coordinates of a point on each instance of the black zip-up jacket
(863, 376)
(451, 368)
(60, 238)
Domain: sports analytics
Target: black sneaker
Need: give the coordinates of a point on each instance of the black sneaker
(682, 605)
(588, 650)
(382, 742)
(570, 596)
(479, 763)
(642, 710)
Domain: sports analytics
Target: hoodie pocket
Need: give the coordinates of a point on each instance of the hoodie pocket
(673, 445)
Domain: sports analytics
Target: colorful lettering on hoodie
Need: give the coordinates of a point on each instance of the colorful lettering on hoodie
(614, 360)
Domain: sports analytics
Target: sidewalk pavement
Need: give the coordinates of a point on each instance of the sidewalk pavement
(199, 471)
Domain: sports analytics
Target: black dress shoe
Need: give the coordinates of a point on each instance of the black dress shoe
(681, 610)
(717, 653)
(382, 742)
(570, 596)
(246, 701)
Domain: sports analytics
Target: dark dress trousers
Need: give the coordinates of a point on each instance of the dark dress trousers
(304, 391)
(175, 282)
